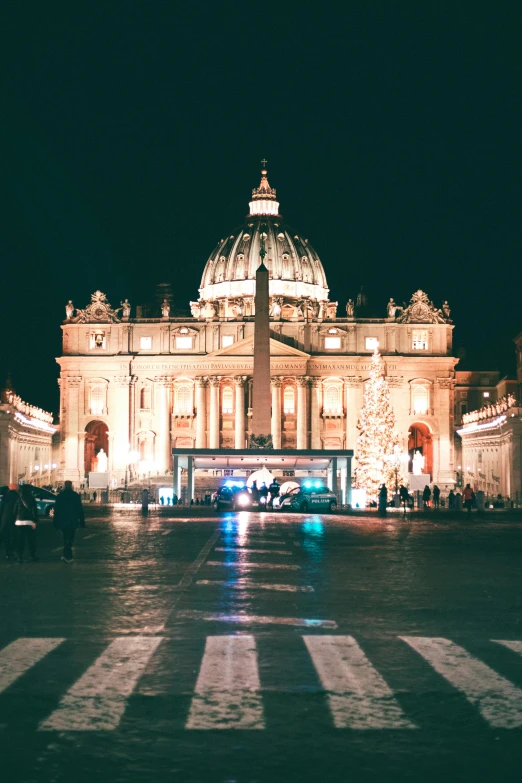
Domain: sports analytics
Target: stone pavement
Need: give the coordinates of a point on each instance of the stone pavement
(263, 647)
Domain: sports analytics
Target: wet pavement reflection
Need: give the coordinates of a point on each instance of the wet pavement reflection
(263, 647)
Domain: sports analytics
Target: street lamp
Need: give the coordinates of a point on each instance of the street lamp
(131, 458)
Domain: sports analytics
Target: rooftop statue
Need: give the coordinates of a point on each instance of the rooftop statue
(126, 308)
(350, 308)
(69, 310)
(422, 311)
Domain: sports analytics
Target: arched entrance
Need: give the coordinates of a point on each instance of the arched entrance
(96, 438)
(419, 439)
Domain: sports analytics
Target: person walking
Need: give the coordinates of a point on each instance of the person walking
(436, 497)
(426, 497)
(8, 518)
(26, 518)
(404, 495)
(451, 499)
(467, 496)
(383, 500)
(68, 517)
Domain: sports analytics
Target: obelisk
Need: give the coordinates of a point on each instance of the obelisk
(261, 436)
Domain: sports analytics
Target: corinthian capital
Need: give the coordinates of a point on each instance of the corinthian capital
(302, 380)
(214, 380)
(276, 382)
(202, 382)
(239, 380)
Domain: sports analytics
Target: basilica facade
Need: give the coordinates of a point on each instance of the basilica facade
(136, 387)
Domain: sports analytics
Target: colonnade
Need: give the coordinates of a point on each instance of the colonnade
(308, 411)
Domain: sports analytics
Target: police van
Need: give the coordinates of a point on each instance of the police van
(310, 496)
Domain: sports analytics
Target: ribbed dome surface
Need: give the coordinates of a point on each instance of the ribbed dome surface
(294, 266)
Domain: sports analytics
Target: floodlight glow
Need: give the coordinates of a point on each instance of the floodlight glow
(243, 500)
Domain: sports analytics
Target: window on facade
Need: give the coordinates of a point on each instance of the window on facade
(98, 339)
(145, 343)
(419, 339)
(145, 398)
(183, 402)
(289, 400)
(420, 399)
(226, 340)
(331, 343)
(227, 400)
(183, 342)
(485, 394)
(463, 408)
(371, 343)
(332, 398)
(97, 399)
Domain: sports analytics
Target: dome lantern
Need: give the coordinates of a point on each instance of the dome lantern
(264, 197)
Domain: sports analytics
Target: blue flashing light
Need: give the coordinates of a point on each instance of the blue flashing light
(318, 484)
(307, 483)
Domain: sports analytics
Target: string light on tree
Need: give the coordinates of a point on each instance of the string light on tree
(378, 438)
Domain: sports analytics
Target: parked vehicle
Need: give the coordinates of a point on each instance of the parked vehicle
(45, 501)
(232, 496)
(310, 496)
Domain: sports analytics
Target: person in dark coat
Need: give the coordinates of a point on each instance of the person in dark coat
(451, 499)
(426, 496)
(7, 519)
(25, 524)
(68, 517)
(383, 499)
(436, 496)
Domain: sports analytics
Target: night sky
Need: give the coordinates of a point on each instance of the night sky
(131, 136)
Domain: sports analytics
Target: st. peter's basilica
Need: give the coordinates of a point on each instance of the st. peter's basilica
(142, 385)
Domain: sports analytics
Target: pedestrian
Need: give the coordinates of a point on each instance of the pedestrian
(162, 500)
(174, 500)
(68, 517)
(94, 496)
(404, 496)
(383, 500)
(426, 497)
(7, 519)
(26, 515)
(273, 490)
(468, 495)
(451, 499)
(436, 496)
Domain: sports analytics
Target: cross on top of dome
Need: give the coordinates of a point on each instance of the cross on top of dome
(264, 197)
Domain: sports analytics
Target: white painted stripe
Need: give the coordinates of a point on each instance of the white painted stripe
(240, 550)
(166, 532)
(19, 656)
(511, 645)
(498, 700)
(244, 564)
(253, 619)
(358, 696)
(92, 535)
(97, 701)
(227, 690)
(251, 584)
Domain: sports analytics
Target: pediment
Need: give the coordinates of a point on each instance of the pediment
(246, 348)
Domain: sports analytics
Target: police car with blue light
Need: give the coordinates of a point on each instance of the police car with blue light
(233, 495)
(310, 496)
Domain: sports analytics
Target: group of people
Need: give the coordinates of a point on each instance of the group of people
(264, 494)
(430, 498)
(19, 520)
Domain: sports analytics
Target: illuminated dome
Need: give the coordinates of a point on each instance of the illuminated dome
(295, 270)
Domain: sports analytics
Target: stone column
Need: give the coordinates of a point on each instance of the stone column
(164, 451)
(201, 412)
(119, 418)
(354, 390)
(302, 386)
(214, 412)
(315, 413)
(443, 468)
(276, 384)
(239, 382)
(73, 470)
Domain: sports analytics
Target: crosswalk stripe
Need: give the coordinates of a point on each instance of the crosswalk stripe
(244, 564)
(251, 584)
(241, 550)
(227, 690)
(512, 645)
(19, 656)
(498, 700)
(97, 701)
(358, 696)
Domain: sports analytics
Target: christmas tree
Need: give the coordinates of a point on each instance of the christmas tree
(377, 436)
